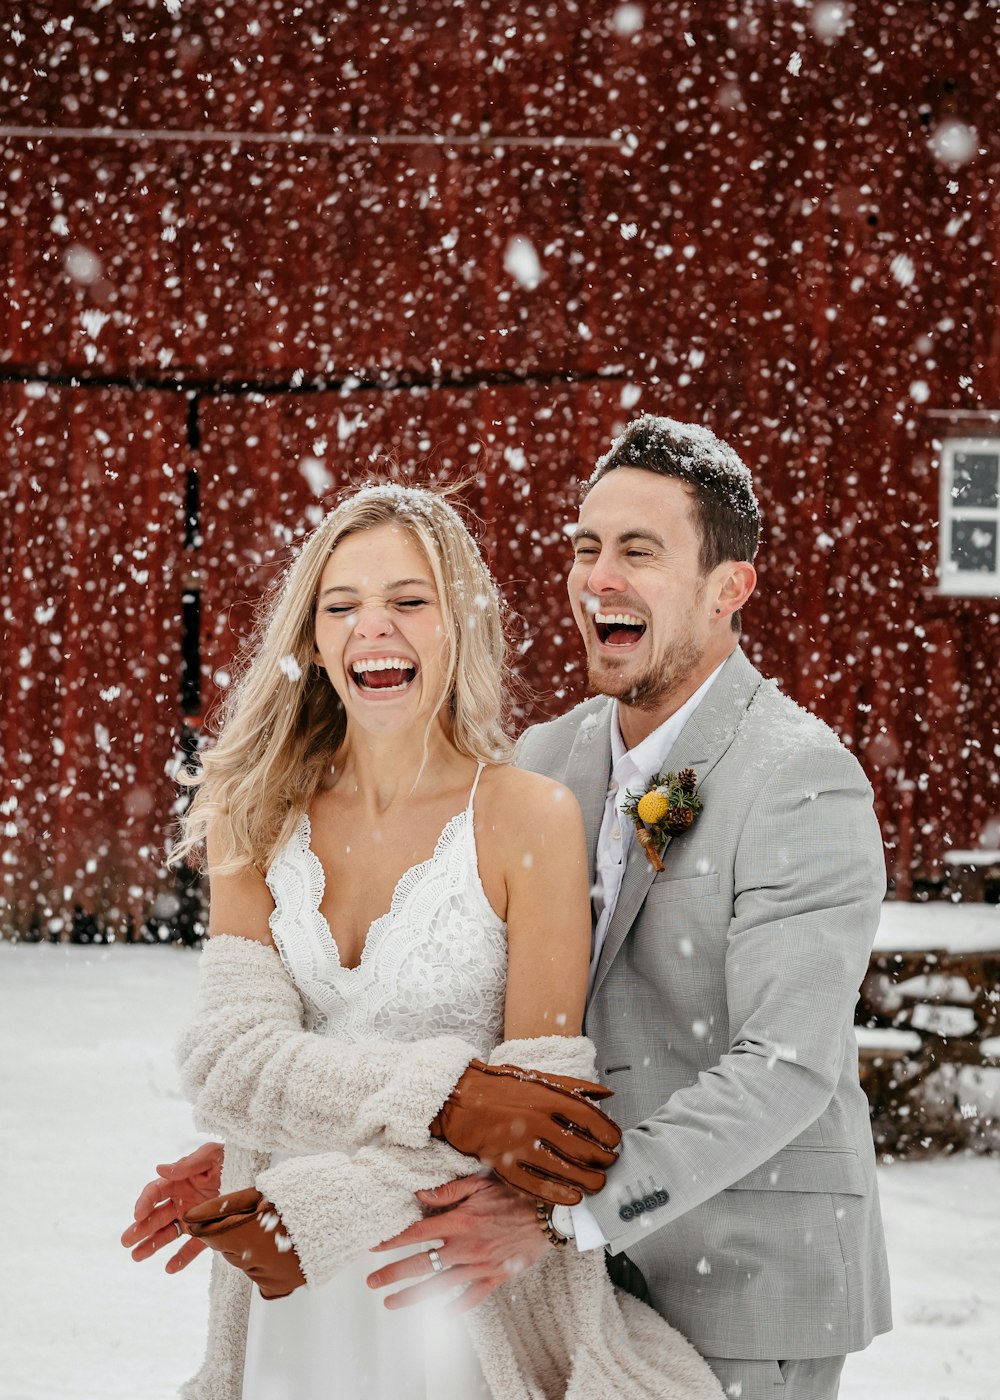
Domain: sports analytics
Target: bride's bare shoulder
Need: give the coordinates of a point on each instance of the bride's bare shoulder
(519, 795)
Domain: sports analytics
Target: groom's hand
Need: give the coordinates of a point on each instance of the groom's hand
(539, 1133)
(486, 1235)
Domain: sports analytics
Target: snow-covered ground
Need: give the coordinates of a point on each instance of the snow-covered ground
(90, 1103)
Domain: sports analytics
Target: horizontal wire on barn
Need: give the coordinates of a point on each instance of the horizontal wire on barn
(620, 141)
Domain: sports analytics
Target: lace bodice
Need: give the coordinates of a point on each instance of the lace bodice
(434, 964)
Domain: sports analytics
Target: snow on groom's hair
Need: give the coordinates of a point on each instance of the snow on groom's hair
(726, 509)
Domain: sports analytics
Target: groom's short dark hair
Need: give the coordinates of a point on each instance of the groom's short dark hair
(725, 507)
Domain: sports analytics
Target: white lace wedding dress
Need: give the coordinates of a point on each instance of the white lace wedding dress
(434, 964)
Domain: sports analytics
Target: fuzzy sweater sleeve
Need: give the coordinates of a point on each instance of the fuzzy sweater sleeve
(256, 1077)
(335, 1206)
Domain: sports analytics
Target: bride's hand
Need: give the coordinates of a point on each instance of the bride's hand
(488, 1234)
(178, 1186)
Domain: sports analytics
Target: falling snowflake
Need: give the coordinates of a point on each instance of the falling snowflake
(318, 478)
(521, 261)
(954, 143)
(627, 20)
(902, 269)
(830, 20)
(82, 265)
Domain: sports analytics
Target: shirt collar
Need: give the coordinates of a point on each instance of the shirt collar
(650, 755)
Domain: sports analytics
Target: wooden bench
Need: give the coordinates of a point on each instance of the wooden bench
(974, 875)
(920, 1011)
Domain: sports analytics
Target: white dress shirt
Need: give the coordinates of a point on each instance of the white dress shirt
(630, 769)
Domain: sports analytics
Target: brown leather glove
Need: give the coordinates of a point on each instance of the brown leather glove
(247, 1231)
(539, 1133)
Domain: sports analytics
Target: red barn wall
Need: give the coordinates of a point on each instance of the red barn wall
(259, 234)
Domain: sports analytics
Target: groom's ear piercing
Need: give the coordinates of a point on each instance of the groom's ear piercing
(718, 610)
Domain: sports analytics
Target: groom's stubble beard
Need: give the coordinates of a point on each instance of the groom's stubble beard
(665, 678)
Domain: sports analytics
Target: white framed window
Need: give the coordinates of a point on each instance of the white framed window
(970, 516)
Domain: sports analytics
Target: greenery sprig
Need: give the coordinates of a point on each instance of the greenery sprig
(667, 806)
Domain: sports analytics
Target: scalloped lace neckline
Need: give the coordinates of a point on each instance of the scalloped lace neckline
(409, 878)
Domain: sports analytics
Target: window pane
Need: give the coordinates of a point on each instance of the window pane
(974, 479)
(974, 546)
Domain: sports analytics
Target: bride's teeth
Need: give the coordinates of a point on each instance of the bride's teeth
(384, 663)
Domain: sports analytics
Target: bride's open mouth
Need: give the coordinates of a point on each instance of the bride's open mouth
(384, 675)
(618, 629)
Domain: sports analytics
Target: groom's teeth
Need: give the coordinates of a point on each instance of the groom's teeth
(618, 619)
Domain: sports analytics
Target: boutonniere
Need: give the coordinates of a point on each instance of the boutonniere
(668, 806)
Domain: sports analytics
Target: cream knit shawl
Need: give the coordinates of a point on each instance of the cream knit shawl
(257, 1078)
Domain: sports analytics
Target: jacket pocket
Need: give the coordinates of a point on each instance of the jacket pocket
(833, 1169)
(687, 887)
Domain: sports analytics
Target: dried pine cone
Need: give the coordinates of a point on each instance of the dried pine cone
(688, 780)
(679, 819)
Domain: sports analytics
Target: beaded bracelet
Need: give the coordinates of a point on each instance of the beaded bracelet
(547, 1228)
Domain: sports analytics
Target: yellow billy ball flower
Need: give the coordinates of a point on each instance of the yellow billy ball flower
(652, 808)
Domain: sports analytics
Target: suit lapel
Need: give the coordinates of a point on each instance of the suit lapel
(700, 744)
(588, 769)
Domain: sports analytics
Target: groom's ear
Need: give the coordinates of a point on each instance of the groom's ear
(731, 585)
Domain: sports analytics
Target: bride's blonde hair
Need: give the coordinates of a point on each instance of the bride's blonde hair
(282, 721)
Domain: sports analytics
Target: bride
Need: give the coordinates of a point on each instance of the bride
(396, 913)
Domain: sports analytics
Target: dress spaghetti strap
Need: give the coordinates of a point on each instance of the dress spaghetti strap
(472, 794)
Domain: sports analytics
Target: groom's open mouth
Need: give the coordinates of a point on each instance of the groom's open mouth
(618, 629)
(384, 673)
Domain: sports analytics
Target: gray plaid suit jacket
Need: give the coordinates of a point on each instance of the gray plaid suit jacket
(723, 1016)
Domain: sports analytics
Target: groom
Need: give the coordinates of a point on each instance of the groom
(743, 1205)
